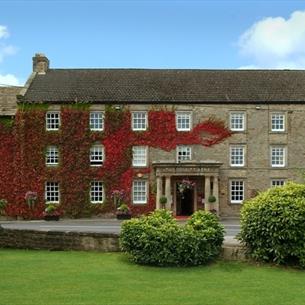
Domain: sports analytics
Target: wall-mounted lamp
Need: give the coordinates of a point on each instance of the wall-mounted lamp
(257, 107)
(117, 107)
(139, 175)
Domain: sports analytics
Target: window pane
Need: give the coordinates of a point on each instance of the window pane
(139, 191)
(96, 120)
(97, 155)
(277, 122)
(184, 153)
(52, 192)
(139, 156)
(52, 155)
(96, 192)
(139, 120)
(237, 155)
(237, 191)
(277, 156)
(52, 120)
(277, 182)
(237, 121)
(183, 121)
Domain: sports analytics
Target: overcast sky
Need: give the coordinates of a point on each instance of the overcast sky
(151, 34)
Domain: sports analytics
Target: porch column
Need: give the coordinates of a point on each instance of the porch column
(168, 192)
(207, 192)
(159, 192)
(216, 193)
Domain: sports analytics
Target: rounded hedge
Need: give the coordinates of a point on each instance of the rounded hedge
(158, 240)
(273, 225)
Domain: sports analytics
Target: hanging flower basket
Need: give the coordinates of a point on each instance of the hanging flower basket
(186, 184)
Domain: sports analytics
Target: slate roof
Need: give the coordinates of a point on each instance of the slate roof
(8, 100)
(167, 86)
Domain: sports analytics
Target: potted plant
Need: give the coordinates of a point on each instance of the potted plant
(212, 200)
(123, 212)
(118, 195)
(185, 184)
(31, 199)
(51, 212)
(163, 201)
(3, 204)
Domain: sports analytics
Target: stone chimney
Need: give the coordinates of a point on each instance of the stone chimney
(40, 63)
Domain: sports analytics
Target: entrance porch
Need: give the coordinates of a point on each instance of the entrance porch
(204, 175)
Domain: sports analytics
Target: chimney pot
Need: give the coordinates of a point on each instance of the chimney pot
(40, 63)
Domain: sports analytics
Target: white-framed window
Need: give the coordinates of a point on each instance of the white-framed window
(278, 122)
(139, 156)
(237, 191)
(184, 153)
(139, 120)
(278, 156)
(139, 191)
(96, 120)
(52, 155)
(237, 121)
(52, 120)
(97, 155)
(237, 156)
(277, 182)
(96, 192)
(52, 192)
(183, 120)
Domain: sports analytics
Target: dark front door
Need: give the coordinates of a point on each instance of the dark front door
(185, 202)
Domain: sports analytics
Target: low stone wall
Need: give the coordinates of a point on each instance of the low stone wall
(54, 240)
(86, 241)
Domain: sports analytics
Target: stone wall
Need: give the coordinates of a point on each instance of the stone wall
(85, 241)
(54, 240)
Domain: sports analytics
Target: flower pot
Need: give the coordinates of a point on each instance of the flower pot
(51, 217)
(123, 216)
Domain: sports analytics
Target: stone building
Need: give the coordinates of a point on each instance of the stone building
(8, 100)
(262, 109)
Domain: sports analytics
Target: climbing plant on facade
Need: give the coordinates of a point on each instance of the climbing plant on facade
(23, 154)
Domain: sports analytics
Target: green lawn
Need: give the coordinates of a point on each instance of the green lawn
(81, 278)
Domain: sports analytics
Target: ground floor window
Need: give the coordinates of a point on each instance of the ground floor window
(277, 182)
(52, 192)
(237, 190)
(139, 192)
(96, 192)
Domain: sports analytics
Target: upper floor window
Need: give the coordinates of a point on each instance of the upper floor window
(139, 120)
(184, 153)
(96, 121)
(52, 120)
(183, 121)
(139, 191)
(277, 182)
(97, 155)
(237, 155)
(278, 156)
(277, 122)
(96, 192)
(52, 192)
(237, 190)
(237, 121)
(139, 156)
(52, 155)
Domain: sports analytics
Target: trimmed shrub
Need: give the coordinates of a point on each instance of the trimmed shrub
(273, 225)
(157, 239)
